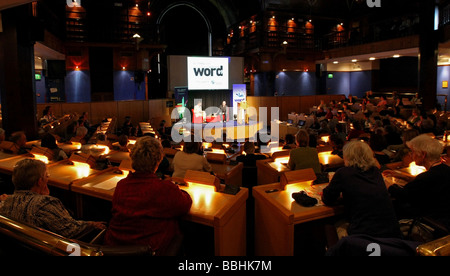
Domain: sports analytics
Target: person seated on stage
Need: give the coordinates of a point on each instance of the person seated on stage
(145, 209)
(49, 141)
(249, 158)
(427, 194)
(32, 204)
(190, 159)
(368, 206)
(20, 140)
(198, 110)
(304, 156)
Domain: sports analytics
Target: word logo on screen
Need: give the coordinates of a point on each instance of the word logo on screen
(208, 73)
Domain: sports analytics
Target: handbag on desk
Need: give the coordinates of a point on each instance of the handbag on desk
(303, 199)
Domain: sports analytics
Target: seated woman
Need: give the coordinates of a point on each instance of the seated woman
(190, 159)
(369, 209)
(426, 195)
(145, 209)
(49, 141)
(32, 204)
(304, 156)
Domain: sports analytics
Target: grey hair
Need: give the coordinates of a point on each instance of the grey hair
(359, 154)
(426, 144)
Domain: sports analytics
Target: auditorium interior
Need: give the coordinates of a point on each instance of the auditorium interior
(132, 68)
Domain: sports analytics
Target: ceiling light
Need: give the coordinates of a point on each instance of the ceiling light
(396, 56)
(335, 62)
(354, 60)
(372, 58)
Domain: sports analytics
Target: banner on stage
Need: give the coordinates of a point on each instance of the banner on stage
(239, 95)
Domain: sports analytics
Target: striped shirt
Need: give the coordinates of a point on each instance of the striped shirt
(43, 211)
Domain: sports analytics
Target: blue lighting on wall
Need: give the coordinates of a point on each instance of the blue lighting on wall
(78, 87)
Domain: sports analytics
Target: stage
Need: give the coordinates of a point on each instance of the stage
(215, 131)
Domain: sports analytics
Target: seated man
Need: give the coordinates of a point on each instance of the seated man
(250, 158)
(32, 204)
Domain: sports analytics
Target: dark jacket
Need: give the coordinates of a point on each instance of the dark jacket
(366, 201)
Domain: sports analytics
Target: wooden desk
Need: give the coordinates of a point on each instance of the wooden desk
(62, 174)
(230, 174)
(101, 185)
(117, 156)
(5, 155)
(7, 164)
(225, 213)
(269, 171)
(277, 213)
(69, 148)
(330, 161)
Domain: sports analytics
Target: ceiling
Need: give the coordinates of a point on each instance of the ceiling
(6, 4)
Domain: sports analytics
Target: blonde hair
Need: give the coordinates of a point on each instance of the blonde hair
(27, 173)
(426, 144)
(146, 155)
(359, 154)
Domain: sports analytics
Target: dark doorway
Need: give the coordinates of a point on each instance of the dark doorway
(101, 65)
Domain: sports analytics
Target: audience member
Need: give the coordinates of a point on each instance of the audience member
(81, 135)
(427, 194)
(368, 207)
(49, 141)
(20, 140)
(190, 159)
(145, 209)
(356, 131)
(32, 204)
(304, 156)
(128, 128)
(378, 143)
(402, 151)
(290, 142)
(2, 134)
(249, 158)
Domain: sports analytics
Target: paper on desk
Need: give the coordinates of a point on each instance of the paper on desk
(109, 184)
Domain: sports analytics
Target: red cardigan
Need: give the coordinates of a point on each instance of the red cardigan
(145, 210)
